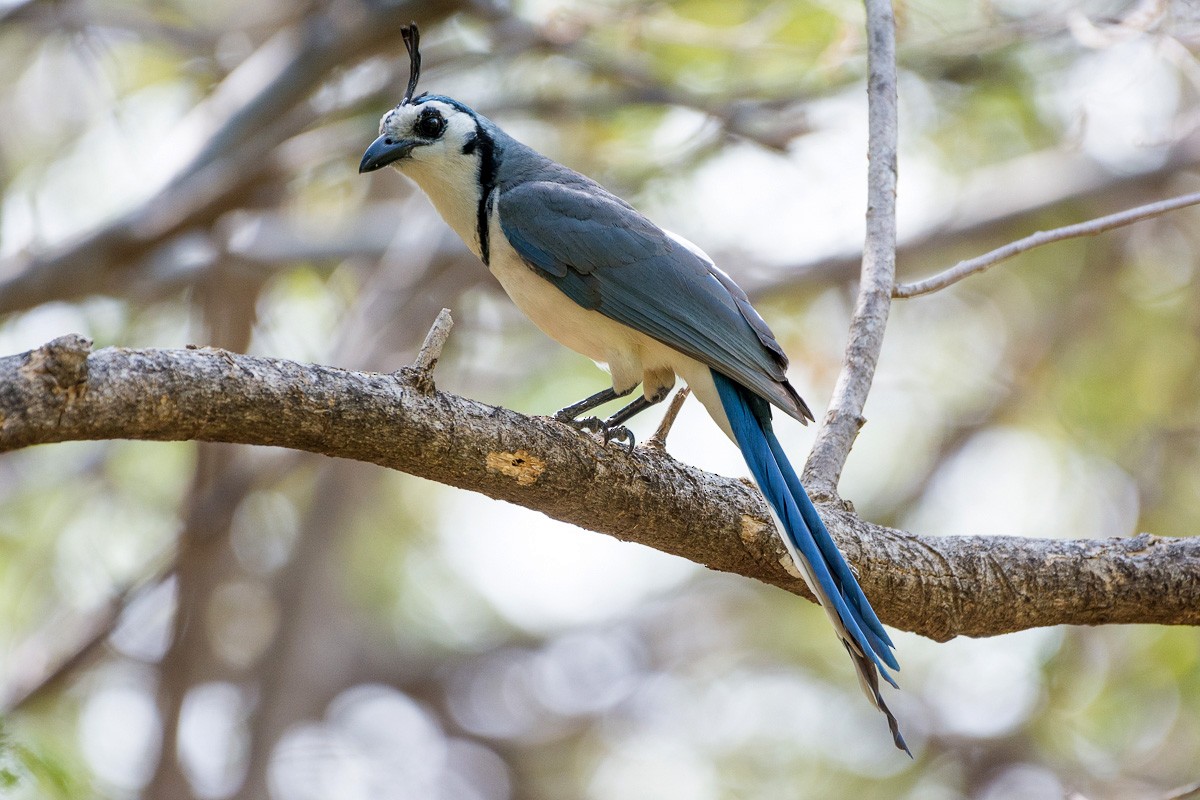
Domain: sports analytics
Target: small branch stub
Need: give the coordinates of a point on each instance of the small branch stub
(659, 439)
(420, 373)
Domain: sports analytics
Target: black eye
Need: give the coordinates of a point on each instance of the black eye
(430, 124)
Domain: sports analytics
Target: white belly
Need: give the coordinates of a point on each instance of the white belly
(626, 352)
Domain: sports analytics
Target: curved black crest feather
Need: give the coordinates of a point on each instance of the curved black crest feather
(412, 42)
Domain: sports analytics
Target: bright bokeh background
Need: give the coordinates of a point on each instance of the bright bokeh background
(239, 623)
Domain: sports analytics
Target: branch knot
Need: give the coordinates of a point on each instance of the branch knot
(61, 364)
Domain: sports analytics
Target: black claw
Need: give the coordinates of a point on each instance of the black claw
(609, 432)
(621, 435)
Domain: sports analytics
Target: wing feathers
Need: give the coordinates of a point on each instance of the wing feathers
(609, 258)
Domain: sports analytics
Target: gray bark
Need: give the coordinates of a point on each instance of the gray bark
(938, 587)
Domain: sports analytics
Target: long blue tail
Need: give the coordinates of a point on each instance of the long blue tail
(825, 570)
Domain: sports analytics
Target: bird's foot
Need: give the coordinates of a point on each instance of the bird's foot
(610, 433)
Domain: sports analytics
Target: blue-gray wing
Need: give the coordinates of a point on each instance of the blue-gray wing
(607, 257)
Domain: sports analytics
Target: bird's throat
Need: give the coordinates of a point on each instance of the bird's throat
(444, 187)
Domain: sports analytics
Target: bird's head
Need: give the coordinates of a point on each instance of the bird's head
(426, 129)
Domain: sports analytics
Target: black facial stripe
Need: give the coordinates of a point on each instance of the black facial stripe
(469, 144)
(487, 185)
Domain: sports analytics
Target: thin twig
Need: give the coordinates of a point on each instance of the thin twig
(1189, 792)
(1090, 228)
(844, 417)
(659, 439)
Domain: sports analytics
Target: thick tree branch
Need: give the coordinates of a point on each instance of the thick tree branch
(844, 418)
(939, 587)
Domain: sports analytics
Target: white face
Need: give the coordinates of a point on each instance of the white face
(437, 144)
(437, 131)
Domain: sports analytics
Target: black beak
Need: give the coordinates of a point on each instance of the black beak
(384, 151)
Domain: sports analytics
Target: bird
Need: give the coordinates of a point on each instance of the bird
(602, 279)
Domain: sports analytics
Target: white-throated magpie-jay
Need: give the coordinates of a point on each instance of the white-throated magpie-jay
(600, 278)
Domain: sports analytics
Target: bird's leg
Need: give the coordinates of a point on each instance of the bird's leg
(593, 424)
(613, 428)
